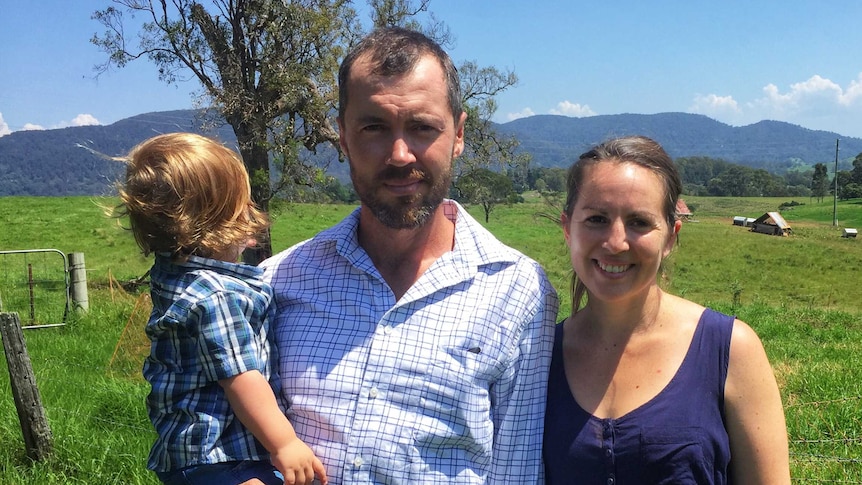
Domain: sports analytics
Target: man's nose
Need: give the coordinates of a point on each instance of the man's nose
(401, 153)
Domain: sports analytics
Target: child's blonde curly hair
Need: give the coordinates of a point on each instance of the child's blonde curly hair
(186, 194)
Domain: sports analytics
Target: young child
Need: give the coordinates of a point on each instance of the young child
(210, 366)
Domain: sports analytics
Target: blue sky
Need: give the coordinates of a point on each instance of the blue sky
(736, 61)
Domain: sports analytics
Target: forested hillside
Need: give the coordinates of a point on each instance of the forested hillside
(73, 161)
(63, 162)
(555, 141)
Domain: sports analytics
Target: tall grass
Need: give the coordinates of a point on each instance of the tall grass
(799, 293)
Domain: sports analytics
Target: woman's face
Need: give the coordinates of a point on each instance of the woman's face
(618, 234)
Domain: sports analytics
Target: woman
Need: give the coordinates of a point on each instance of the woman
(645, 386)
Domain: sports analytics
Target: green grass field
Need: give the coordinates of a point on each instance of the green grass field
(800, 293)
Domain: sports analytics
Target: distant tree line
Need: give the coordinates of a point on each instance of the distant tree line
(716, 177)
(850, 181)
(81, 172)
(701, 176)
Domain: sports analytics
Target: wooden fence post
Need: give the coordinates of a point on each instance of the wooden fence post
(78, 276)
(34, 424)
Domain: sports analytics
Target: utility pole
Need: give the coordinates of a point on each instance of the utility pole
(835, 196)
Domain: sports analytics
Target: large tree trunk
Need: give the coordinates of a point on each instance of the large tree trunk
(252, 146)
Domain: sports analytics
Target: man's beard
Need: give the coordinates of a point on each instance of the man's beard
(409, 211)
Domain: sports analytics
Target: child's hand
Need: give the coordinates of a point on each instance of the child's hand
(298, 464)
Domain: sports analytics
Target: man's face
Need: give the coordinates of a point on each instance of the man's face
(400, 138)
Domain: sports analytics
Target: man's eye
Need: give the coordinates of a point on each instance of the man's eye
(426, 128)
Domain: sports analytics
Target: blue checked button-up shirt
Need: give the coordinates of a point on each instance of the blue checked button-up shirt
(446, 385)
(209, 322)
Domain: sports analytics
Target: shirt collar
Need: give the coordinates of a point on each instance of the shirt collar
(239, 270)
(475, 246)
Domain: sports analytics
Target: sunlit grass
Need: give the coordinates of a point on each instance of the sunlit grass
(800, 293)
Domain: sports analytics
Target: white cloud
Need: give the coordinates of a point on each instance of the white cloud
(816, 96)
(853, 93)
(567, 108)
(4, 128)
(712, 103)
(85, 120)
(721, 108)
(816, 103)
(524, 113)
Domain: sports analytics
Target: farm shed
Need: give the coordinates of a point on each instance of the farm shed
(849, 232)
(683, 213)
(771, 223)
(743, 221)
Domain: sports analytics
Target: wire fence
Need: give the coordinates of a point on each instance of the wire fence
(35, 284)
(828, 441)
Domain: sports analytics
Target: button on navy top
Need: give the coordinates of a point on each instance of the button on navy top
(677, 437)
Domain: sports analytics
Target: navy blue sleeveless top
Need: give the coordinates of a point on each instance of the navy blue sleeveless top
(676, 437)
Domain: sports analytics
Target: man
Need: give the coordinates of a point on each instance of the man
(414, 346)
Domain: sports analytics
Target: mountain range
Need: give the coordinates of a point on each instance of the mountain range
(74, 161)
(775, 146)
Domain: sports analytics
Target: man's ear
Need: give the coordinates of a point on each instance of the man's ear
(342, 138)
(458, 148)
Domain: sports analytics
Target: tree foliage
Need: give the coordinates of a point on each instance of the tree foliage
(850, 185)
(548, 179)
(856, 173)
(486, 148)
(820, 182)
(847, 188)
(486, 188)
(709, 176)
(404, 13)
(268, 68)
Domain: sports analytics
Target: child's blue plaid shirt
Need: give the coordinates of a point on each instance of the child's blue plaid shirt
(210, 321)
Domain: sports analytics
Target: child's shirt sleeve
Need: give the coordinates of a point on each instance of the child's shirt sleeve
(227, 342)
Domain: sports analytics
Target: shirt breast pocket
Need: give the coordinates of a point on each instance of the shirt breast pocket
(674, 455)
(459, 377)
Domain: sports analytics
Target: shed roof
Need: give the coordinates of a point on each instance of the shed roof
(776, 218)
(682, 208)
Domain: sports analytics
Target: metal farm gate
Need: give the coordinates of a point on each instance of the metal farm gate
(35, 284)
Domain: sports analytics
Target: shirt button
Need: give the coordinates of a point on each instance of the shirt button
(387, 330)
(373, 393)
(610, 481)
(608, 452)
(357, 462)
